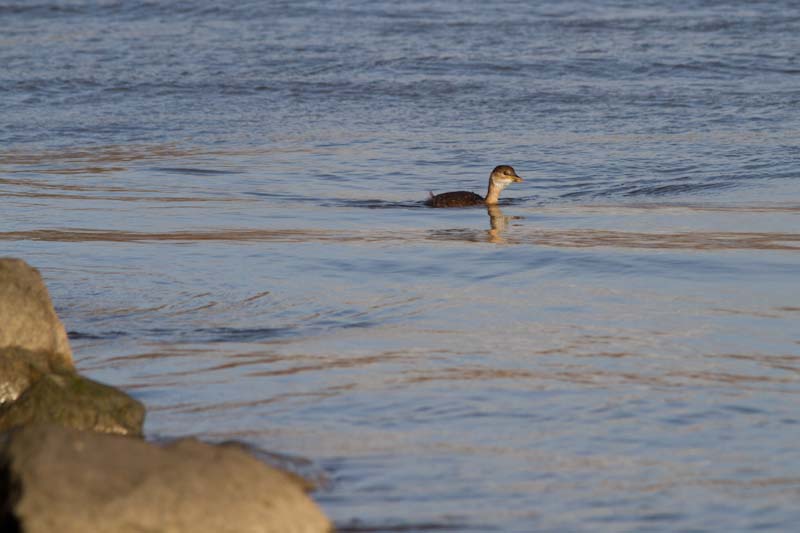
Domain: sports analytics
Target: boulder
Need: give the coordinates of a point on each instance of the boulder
(71, 400)
(38, 382)
(27, 317)
(19, 368)
(58, 479)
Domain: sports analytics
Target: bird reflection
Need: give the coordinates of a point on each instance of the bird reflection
(497, 224)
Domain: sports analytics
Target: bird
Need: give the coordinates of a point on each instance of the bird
(501, 177)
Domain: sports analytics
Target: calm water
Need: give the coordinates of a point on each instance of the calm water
(226, 205)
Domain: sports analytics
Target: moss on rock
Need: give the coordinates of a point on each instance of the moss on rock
(71, 400)
(21, 368)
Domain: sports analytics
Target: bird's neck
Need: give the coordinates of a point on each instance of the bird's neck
(493, 194)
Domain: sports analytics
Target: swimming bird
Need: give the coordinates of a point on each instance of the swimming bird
(501, 177)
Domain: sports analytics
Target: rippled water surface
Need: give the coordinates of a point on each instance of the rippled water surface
(226, 203)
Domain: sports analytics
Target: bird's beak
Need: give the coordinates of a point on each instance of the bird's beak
(516, 178)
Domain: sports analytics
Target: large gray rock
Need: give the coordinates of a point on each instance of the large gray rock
(57, 479)
(27, 317)
(71, 400)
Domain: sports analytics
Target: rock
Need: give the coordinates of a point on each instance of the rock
(20, 368)
(71, 400)
(38, 382)
(57, 479)
(302, 470)
(27, 317)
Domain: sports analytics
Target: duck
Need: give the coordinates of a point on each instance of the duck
(501, 177)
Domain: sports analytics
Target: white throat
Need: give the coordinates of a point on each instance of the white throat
(501, 183)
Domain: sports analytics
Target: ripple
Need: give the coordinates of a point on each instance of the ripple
(573, 238)
(194, 171)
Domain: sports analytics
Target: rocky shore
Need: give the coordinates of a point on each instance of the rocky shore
(72, 457)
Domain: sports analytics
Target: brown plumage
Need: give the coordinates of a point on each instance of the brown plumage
(455, 199)
(500, 178)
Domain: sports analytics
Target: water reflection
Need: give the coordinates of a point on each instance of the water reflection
(498, 222)
(497, 233)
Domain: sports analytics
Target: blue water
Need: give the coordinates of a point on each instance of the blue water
(226, 204)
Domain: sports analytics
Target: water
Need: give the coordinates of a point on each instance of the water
(226, 204)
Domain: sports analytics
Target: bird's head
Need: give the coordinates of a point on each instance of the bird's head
(502, 176)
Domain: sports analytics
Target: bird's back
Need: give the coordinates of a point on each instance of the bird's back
(455, 199)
